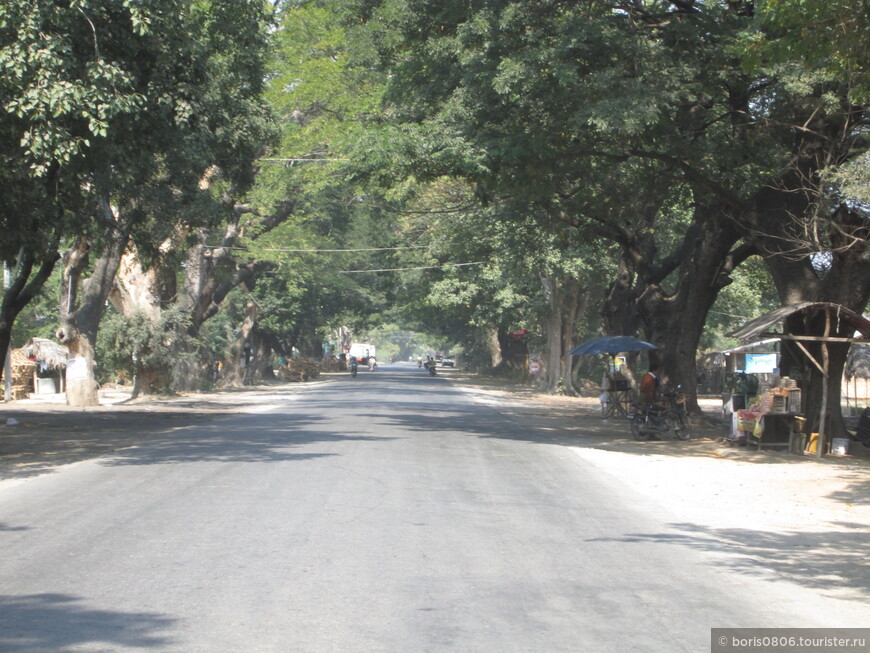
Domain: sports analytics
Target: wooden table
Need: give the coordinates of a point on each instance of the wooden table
(617, 404)
(780, 431)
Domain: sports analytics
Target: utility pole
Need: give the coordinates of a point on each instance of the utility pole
(7, 366)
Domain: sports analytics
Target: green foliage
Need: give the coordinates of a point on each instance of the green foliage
(59, 79)
(127, 344)
(39, 319)
(750, 295)
(851, 181)
(134, 102)
(535, 140)
(829, 35)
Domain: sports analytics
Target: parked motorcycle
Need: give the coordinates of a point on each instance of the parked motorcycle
(655, 420)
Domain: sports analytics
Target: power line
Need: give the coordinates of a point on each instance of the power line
(300, 160)
(319, 251)
(425, 267)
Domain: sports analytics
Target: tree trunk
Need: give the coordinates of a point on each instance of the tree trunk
(553, 326)
(235, 373)
(619, 309)
(674, 318)
(263, 356)
(575, 306)
(83, 303)
(677, 320)
(562, 296)
(23, 285)
(493, 345)
(137, 291)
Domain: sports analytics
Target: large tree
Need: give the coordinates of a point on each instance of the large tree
(555, 101)
(57, 93)
(127, 105)
(594, 114)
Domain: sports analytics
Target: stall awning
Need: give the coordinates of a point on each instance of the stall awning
(762, 327)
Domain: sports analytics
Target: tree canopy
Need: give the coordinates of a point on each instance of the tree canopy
(461, 169)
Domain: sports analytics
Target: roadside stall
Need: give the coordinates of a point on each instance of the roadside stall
(747, 371)
(49, 360)
(777, 418)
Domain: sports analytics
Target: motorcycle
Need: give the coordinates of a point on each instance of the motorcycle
(354, 365)
(373, 365)
(649, 420)
(430, 366)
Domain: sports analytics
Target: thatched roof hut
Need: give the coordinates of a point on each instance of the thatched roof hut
(52, 354)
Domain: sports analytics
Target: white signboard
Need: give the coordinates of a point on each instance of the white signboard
(760, 363)
(76, 369)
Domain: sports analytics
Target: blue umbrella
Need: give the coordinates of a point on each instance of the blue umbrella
(611, 345)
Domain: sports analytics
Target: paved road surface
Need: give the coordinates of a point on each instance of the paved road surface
(391, 512)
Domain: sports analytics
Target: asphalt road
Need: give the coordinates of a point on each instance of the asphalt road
(390, 512)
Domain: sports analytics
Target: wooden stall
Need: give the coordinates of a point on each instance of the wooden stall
(49, 364)
(810, 332)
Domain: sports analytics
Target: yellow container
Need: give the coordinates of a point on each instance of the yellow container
(813, 444)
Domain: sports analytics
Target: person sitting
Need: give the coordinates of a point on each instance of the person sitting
(650, 385)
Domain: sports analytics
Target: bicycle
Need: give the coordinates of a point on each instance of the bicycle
(648, 420)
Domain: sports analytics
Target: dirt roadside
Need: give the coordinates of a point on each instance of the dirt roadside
(766, 514)
(702, 480)
(40, 434)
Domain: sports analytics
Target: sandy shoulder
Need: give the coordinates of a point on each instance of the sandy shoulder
(703, 481)
(723, 490)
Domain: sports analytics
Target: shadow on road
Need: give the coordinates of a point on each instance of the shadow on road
(60, 622)
(248, 439)
(822, 560)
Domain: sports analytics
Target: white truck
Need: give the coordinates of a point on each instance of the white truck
(361, 351)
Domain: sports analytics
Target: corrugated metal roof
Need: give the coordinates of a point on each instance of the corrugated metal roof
(761, 326)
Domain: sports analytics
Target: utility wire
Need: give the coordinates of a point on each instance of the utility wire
(425, 267)
(299, 160)
(359, 249)
(319, 251)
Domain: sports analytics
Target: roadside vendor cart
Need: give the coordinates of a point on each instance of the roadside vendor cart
(616, 389)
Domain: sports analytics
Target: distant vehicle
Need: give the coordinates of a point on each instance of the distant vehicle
(361, 352)
(447, 362)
